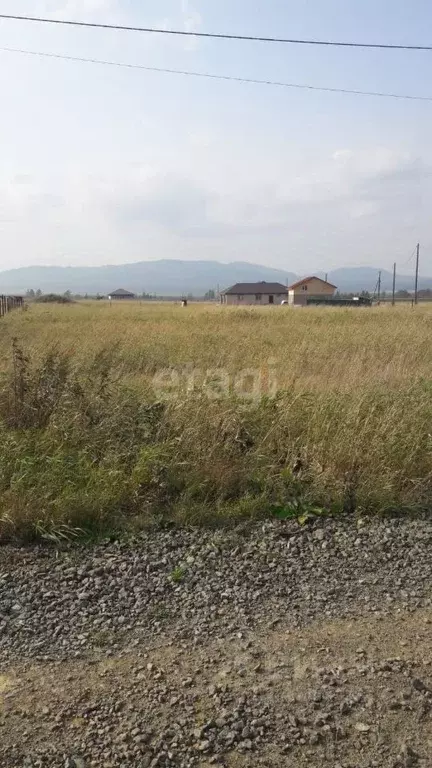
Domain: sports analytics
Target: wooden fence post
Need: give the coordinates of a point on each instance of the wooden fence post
(7, 303)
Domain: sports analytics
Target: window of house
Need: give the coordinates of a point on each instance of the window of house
(304, 287)
(258, 297)
(239, 297)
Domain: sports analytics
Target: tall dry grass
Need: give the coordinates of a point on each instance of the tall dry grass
(87, 442)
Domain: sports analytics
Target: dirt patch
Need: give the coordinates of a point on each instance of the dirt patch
(275, 645)
(342, 692)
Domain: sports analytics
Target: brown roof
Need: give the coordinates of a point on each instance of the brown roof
(262, 287)
(307, 280)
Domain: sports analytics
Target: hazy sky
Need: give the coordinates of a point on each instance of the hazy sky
(105, 165)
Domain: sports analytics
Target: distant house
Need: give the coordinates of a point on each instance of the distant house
(120, 293)
(309, 287)
(258, 294)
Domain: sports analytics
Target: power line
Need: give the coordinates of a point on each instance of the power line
(219, 36)
(412, 254)
(377, 285)
(230, 78)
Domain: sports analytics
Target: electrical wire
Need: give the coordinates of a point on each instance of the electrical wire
(230, 78)
(412, 254)
(219, 36)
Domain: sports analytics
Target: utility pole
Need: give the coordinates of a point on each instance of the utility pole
(417, 274)
(394, 284)
(379, 286)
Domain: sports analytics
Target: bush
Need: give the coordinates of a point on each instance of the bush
(68, 447)
(54, 298)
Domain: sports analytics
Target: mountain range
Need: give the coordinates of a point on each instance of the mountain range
(169, 277)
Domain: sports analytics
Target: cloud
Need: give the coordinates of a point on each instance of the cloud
(394, 186)
(390, 185)
(359, 207)
(192, 19)
(24, 198)
(23, 35)
(166, 201)
(78, 9)
(382, 163)
(192, 22)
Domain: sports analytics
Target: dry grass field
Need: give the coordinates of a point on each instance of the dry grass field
(115, 416)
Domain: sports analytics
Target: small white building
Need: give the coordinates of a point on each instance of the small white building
(313, 287)
(258, 294)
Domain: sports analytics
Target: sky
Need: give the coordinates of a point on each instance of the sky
(103, 165)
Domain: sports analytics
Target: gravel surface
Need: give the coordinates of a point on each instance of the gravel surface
(269, 644)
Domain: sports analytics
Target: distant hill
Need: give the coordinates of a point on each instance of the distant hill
(165, 277)
(169, 277)
(365, 278)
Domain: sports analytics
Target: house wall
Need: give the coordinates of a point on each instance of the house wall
(295, 298)
(299, 295)
(251, 300)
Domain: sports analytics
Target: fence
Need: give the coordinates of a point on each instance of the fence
(8, 303)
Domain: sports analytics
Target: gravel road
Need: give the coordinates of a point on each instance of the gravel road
(265, 645)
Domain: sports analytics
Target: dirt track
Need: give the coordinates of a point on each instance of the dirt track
(309, 676)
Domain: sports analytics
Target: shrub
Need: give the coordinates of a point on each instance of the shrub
(68, 447)
(54, 298)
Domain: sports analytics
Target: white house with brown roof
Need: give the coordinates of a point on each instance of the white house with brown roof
(258, 294)
(312, 287)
